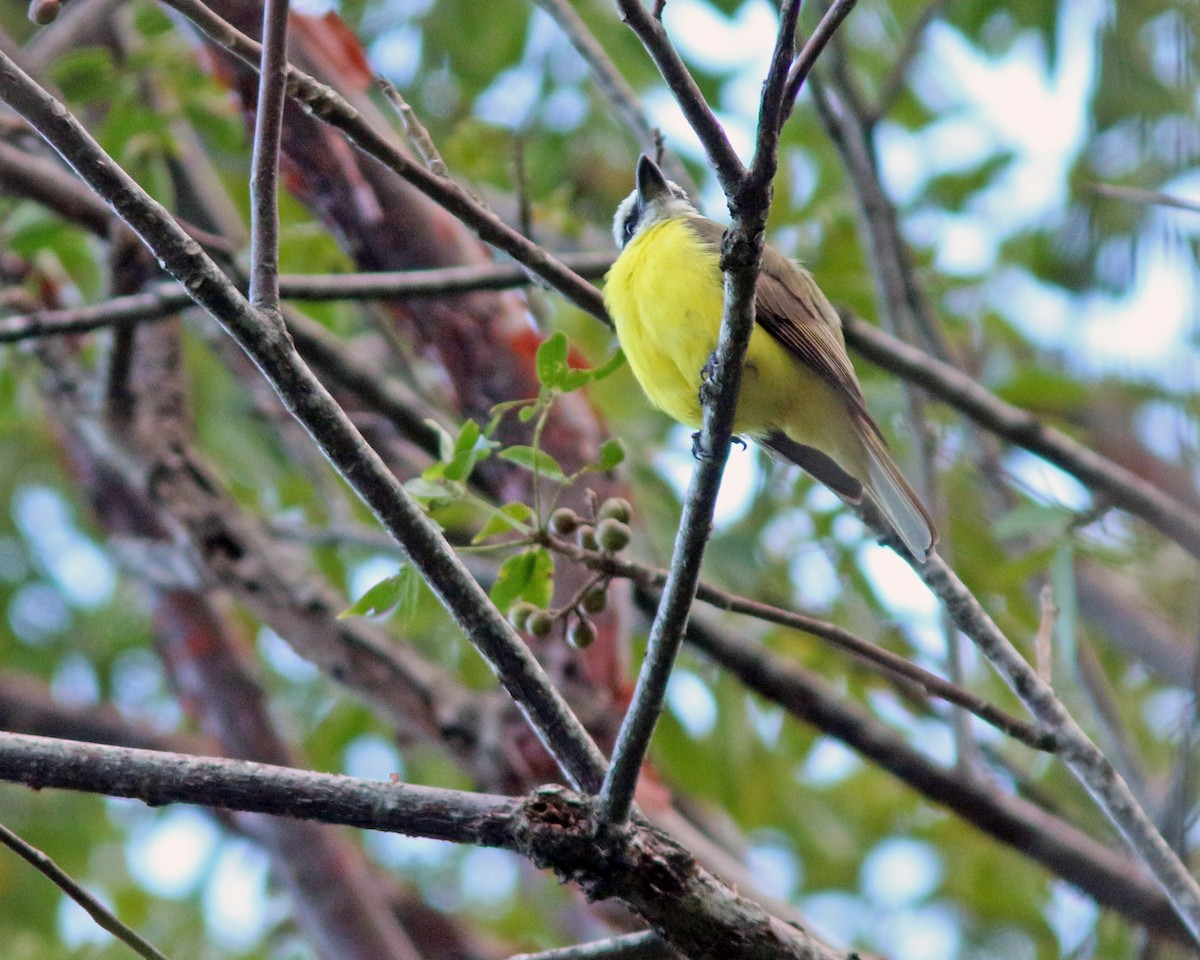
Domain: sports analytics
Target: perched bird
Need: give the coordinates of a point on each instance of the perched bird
(799, 396)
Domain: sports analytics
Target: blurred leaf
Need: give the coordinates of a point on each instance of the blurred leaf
(510, 517)
(528, 575)
(537, 461)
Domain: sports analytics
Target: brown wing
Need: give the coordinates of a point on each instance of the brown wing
(791, 308)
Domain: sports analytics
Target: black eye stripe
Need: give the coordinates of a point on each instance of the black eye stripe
(631, 223)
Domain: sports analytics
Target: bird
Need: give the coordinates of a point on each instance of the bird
(799, 398)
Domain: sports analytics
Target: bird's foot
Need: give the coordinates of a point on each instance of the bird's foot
(708, 379)
(698, 451)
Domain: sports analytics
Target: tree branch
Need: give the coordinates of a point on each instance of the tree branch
(552, 827)
(104, 917)
(647, 945)
(325, 104)
(1104, 477)
(721, 155)
(274, 354)
(1084, 758)
(264, 161)
(1112, 880)
(886, 662)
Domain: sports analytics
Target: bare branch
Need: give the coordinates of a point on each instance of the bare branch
(312, 405)
(893, 83)
(1107, 479)
(1138, 195)
(615, 87)
(1110, 792)
(104, 917)
(1111, 879)
(264, 161)
(325, 104)
(888, 663)
(161, 299)
(414, 129)
(837, 12)
(552, 827)
(721, 155)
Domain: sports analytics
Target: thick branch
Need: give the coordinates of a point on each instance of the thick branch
(553, 827)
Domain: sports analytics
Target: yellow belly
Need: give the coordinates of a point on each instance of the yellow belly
(665, 295)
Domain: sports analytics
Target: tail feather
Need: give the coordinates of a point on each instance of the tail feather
(897, 501)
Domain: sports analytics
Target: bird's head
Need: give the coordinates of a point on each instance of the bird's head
(655, 199)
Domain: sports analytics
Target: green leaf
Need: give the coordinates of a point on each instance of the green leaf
(469, 449)
(528, 575)
(555, 372)
(511, 516)
(609, 367)
(445, 441)
(428, 491)
(551, 360)
(612, 453)
(538, 461)
(382, 598)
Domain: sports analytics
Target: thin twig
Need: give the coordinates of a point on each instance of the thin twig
(885, 661)
(837, 12)
(414, 129)
(167, 297)
(615, 88)
(309, 401)
(327, 105)
(1043, 642)
(893, 83)
(1104, 477)
(1111, 877)
(264, 162)
(721, 155)
(104, 917)
(1138, 195)
(1090, 766)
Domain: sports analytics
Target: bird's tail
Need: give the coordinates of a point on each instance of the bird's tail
(896, 500)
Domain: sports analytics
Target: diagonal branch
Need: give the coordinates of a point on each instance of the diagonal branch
(837, 12)
(1104, 477)
(324, 103)
(721, 155)
(1085, 760)
(274, 354)
(1110, 878)
(104, 917)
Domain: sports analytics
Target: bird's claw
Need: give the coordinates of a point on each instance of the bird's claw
(698, 451)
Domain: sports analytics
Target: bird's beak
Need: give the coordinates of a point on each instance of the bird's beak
(651, 184)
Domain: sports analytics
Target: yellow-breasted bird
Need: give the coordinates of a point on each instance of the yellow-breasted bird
(799, 396)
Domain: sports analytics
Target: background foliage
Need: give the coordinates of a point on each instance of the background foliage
(1069, 301)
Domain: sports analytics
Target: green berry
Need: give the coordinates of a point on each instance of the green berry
(616, 508)
(564, 521)
(582, 634)
(519, 614)
(612, 535)
(586, 536)
(540, 623)
(595, 600)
